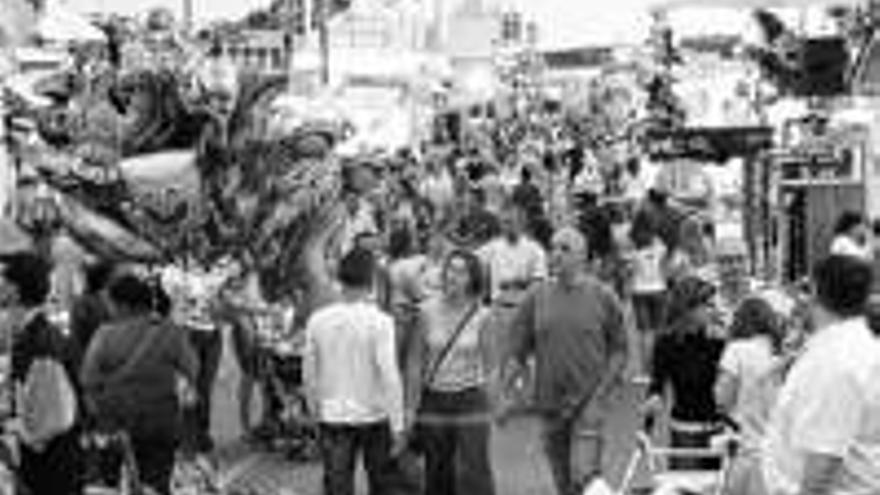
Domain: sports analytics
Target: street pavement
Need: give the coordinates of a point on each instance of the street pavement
(519, 462)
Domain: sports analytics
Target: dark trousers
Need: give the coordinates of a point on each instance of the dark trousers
(574, 449)
(155, 462)
(341, 445)
(208, 347)
(455, 435)
(154, 457)
(56, 470)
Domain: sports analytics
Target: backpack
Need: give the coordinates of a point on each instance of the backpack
(48, 402)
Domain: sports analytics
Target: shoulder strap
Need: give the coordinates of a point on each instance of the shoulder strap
(450, 343)
(144, 345)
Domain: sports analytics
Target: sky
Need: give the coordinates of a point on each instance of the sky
(561, 22)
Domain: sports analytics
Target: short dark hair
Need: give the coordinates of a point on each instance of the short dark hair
(30, 273)
(843, 284)
(755, 316)
(847, 221)
(98, 275)
(357, 268)
(477, 283)
(130, 291)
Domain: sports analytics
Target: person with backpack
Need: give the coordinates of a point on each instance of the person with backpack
(132, 376)
(43, 372)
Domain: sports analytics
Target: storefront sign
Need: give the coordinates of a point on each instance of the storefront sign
(709, 144)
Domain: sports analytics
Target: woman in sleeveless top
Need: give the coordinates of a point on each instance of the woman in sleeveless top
(454, 417)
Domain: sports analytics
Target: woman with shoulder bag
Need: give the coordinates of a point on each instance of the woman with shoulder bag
(132, 379)
(454, 415)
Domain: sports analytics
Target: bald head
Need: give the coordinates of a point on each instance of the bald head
(570, 239)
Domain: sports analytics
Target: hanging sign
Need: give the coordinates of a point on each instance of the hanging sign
(717, 144)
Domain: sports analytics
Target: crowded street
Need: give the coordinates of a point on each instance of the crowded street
(440, 247)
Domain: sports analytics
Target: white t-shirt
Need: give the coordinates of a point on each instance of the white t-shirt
(350, 365)
(752, 362)
(363, 221)
(508, 262)
(830, 405)
(844, 245)
(439, 190)
(192, 291)
(648, 268)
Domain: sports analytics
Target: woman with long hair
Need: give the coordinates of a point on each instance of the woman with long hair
(746, 386)
(685, 362)
(454, 363)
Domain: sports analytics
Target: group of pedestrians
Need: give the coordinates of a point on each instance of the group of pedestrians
(449, 305)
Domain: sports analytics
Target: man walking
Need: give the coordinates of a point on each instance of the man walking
(514, 263)
(824, 435)
(573, 326)
(353, 381)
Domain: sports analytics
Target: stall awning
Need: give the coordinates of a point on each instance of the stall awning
(59, 24)
(12, 238)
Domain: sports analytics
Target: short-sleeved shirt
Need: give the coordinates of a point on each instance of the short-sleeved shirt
(648, 268)
(829, 405)
(572, 333)
(508, 261)
(752, 362)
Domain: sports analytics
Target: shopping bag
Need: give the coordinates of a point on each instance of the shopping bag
(49, 406)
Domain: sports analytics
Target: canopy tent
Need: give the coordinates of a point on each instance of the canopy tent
(62, 25)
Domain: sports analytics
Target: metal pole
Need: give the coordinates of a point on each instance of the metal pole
(188, 16)
(291, 43)
(324, 40)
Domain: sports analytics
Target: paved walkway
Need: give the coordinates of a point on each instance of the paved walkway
(517, 453)
(520, 465)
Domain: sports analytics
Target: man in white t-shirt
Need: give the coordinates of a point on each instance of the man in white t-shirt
(353, 382)
(824, 434)
(194, 290)
(438, 188)
(513, 262)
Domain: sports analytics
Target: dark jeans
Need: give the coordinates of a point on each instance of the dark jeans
(155, 459)
(57, 470)
(574, 450)
(341, 445)
(208, 347)
(154, 456)
(455, 433)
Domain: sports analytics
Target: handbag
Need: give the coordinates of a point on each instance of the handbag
(48, 400)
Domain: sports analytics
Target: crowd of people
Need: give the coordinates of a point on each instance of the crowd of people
(458, 301)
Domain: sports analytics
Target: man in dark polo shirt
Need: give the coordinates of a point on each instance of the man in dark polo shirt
(573, 326)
